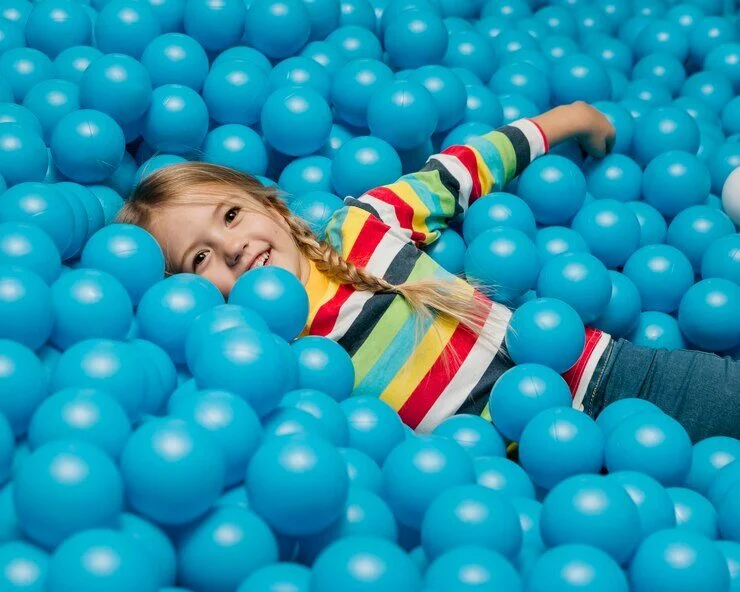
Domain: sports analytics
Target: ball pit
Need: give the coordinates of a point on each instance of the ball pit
(157, 435)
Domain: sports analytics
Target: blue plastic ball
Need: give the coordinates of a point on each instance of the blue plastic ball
(50, 100)
(374, 427)
(354, 84)
(662, 35)
(695, 229)
(362, 470)
(26, 314)
(713, 87)
(623, 310)
(154, 543)
(363, 163)
(354, 42)
(610, 229)
(661, 67)
(498, 209)
(20, 115)
(449, 251)
(23, 156)
(277, 296)
(724, 160)
(416, 38)
(465, 515)
(71, 63)
(515, 107)
(678, 560)
(579, 77)
(231, 421)
(664, 129)
(159, 463)
(657, 330)
(616, 177)
(650, 92)
(297, 463)
(277, 29)
(245, 362)
(694, 512)
(87, 145)
(403, 113)
(522, 392)
(118, 85)
(130, 254)
(89, 304)
(175, 58)
(235, 92)
(30, 247)
(662, 274)
(447, 91)
(503, 262)
(372, 563)
(309, 173)
(654, 505)
(23, 567)
(724, 59)
(591, 510)
(576, 567)
(76, 564)
(177, 119)
(418, 470)
(272, 578)
(653, 443)
(79, 473)
(24, 67)
(556, 240)
(707, 314)
(482, 106)
(546, 321)
(532, 546)
(474, 433)
(87, 415)
(23, 384)
(167, 309)
(579, 279)
(504, 476)
(324, 365)
(126, 26)
(559, 443)
(215, 25)
(710, 456)
(110, 366)
(365, 514)
(237, 147)
(155, 163)
(653, 227)
(42, 206)
(472, 565)
(720, 259)
(209, 558)
(325, 409)
(11, 37)
(554, 188)
(614, 413)
(301, 71)
(296, 121)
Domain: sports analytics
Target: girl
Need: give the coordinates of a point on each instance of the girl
(426, 342)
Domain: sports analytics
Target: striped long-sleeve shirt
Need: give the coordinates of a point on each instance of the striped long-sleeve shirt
(382, 231)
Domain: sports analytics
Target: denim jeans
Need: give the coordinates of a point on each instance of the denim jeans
(700, 390)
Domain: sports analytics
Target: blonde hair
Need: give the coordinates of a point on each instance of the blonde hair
(198, 182)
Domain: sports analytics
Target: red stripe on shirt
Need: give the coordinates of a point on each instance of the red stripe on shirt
(368, 239)
(574, 375)
(466, 156)
(404, 211)
(542, 132)
(436, 380)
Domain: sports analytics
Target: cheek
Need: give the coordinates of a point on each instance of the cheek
(221, 278)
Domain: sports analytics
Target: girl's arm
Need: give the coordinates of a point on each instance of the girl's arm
(421, 204)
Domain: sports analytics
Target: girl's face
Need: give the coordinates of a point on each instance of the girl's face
(221, 242)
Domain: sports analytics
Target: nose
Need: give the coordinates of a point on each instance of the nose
(235, 251)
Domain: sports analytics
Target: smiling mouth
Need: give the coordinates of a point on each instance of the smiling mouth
(261, 260)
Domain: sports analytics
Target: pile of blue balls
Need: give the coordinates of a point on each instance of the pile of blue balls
(157, 438)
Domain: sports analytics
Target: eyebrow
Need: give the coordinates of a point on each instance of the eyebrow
(214, 215)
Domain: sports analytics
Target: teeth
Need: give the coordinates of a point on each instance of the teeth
(261, 260)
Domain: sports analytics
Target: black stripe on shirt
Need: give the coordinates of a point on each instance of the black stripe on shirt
(521, 146)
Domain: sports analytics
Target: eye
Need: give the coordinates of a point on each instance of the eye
(230, 215)
(199, 258)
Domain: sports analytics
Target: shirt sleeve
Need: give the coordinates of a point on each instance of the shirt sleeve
(421, 204)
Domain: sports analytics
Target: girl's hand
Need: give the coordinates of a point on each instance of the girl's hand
(599, 134)
(581, 122)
